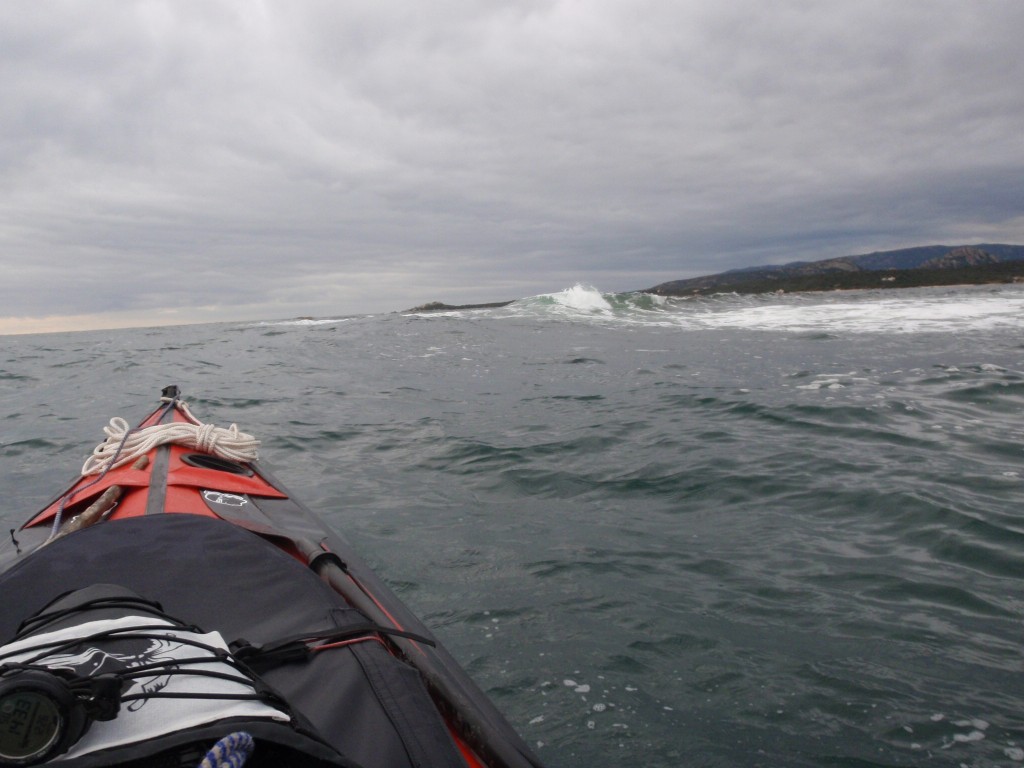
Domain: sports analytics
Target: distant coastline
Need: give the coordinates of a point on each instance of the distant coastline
(1006, 272)
(929, 265)
(919, 267)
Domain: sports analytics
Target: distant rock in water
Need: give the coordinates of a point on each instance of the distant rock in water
(438, 306)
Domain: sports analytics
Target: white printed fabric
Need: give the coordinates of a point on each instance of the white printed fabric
(147, 718)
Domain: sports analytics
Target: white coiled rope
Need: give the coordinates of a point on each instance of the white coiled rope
(124, 445)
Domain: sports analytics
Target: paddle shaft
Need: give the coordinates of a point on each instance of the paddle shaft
(479, 734)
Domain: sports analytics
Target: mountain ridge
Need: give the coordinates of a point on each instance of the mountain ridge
(899, 268)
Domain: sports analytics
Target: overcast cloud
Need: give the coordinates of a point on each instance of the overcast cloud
(167, 161)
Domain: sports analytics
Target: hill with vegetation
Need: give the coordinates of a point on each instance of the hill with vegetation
(904, 268)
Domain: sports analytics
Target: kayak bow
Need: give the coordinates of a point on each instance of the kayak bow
(176, 593)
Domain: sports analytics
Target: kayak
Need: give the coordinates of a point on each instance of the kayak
(176, 606)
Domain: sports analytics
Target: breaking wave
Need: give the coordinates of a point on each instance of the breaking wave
(980, 308)
(587, 301)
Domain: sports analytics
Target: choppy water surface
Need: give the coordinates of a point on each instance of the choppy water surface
(783, 531)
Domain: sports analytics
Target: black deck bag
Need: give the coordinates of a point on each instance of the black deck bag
(353, 705)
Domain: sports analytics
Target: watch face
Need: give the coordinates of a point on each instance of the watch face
(30, 724)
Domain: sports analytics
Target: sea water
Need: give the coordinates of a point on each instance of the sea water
(734, 531)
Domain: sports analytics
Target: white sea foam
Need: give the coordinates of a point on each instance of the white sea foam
(304, 321)
(964, 738)
(908, 311)
(583, 299)
(964, 308)
(871, 312)
(828, 383)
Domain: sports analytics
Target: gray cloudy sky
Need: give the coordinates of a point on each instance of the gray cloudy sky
(179, 160)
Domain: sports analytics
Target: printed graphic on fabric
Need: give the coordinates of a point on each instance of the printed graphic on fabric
(123, 655)
(229, 499)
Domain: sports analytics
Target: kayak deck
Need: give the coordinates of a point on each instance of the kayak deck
(176, 524)
(167, 478)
